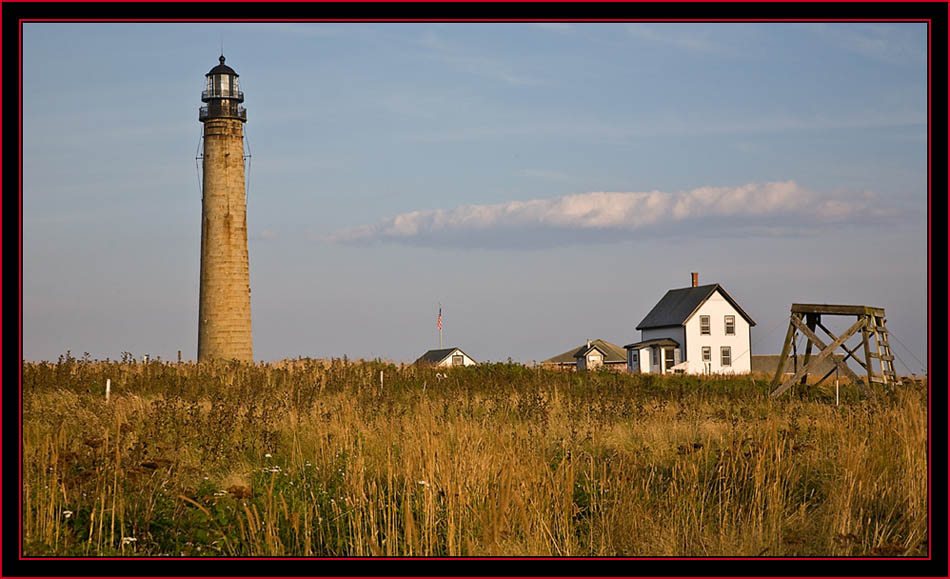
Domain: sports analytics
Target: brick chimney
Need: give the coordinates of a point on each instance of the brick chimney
(695, 275)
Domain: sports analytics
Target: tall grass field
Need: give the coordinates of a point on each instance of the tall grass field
(315, 458)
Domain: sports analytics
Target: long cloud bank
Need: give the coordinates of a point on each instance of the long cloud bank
(760, 208)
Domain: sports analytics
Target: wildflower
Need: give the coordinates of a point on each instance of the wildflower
(422, 483)
(128, 540)
(267, 455)
(67, 514)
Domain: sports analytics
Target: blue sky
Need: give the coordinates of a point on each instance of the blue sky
(546, 182)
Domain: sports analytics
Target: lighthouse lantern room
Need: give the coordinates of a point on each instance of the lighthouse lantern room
(222, 94)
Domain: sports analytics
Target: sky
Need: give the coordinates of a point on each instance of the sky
(545, 182)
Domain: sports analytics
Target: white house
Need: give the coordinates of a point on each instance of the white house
(698, 330)
(446, 357)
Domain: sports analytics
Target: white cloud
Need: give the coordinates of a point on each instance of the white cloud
(602, 217)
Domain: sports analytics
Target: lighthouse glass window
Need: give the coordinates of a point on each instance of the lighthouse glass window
(224, 85)
(220, 85)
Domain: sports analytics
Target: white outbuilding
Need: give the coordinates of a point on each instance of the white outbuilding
(696, 330)
(446, 357)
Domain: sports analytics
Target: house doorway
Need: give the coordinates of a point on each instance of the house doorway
(668, 359)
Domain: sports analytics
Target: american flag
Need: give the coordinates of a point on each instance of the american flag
(440, 317)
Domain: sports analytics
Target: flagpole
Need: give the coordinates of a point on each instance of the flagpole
(440, 325)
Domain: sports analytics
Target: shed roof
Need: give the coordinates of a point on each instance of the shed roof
(612, 353)
(436, 356)
(679, 304)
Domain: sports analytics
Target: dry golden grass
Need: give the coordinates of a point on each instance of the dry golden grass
(316, 458)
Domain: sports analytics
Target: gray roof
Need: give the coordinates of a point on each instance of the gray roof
(436, 356)
(612, 353)
(679, 304)
(653, 342)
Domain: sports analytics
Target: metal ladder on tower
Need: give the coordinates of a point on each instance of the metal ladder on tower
(884, 354)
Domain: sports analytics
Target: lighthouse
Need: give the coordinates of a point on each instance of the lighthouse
(224, 303)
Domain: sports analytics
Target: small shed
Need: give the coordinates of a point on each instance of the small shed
(446, 357)
(592, 354)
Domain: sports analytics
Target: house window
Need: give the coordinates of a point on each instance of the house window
(725, 354)
(730, 325)
(704, 325)
(707, 354)
(457, 360)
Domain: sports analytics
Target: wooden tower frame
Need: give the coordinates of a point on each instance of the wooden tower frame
(870, 322)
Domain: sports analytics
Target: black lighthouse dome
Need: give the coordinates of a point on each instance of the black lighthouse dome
(222, 68)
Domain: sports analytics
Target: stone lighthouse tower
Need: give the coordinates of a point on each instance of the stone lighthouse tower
(224, 303)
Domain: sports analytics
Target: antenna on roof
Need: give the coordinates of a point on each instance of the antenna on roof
(221, 34)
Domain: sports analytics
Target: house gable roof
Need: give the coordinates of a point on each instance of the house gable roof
(611, 352)
(678, 305)
(436, 356)
(587, 350)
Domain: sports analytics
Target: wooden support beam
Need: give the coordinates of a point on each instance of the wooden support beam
(860, 324)
(844, 347)
(814, 337)
(789, 338)
(809, 333)
(867, 352)
(810, 321)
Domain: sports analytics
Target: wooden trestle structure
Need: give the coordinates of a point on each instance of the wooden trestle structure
(870, 323)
